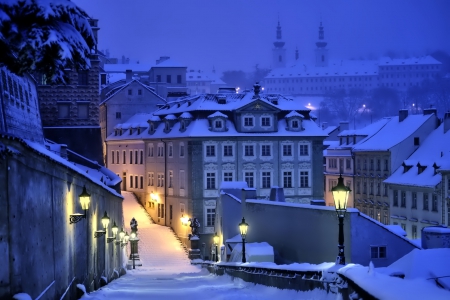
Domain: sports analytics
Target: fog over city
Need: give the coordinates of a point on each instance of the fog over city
(237, 34)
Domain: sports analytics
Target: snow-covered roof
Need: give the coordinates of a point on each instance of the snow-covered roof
(432, 154)
(217, 114)
(425, 60)
(392, 133)
(192, 76)
(169, 63)
(170, 117)
(294, 114)
(114, 91)
(186, 115)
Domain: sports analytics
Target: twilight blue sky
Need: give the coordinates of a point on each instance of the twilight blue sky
(238, 34)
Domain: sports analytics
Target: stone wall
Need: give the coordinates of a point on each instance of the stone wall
(38, 245)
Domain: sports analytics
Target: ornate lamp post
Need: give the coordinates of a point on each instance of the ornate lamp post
(243, 227)
(85, 200)
(340, 196)
(216, 241)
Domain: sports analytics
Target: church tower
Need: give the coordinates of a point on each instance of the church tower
(279, 53)
(321, 51)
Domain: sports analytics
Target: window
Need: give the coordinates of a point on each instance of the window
(83, 110)
(248, 150)
(414, 200)
(170, 179)
(371, 188)
(358, 164)
(131, 181)
(170, 150)
(403, 199)
(151, 179)
(395, 198)
(358, 187)
(348, 164)
(386, 163)
(371, 164)
(141, 157)
(131, 157)
(102, 79)
(248, 121)
(294, 124)
(130, 92)
(117, 156)
(364, 187)
(140, 92)
(378, 165)
(265, 150)
(378, 252)
(135, 157)
(169, 78)
(227, 176)
(158, 78)
(416, 141)
(434, 204)
(210, 181)
(63, 110)
(161, 210)
(265, 180)
(218, 124)
(425, 201)
(332, 163)
(82, 78)
(365, 164)
(385, 189)
(287, 179)
(210, 150)
(287, 150)
(160, 150)
(414, 232)
(181, 150)
(182, 180)
(160, 180)
(179, 79)
(136, 182)
(249, 178)
(118, 115)
(150, 150)
(141, 182)
(304, 150)
(112, 157)
(210, 217)
(227, 150)
(385, 217)
(304, 179)
(124, 158)
(265, 121)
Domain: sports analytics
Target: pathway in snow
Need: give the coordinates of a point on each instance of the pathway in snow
(160, 251)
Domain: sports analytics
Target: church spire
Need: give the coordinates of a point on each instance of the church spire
(321, 43)
(278, 43)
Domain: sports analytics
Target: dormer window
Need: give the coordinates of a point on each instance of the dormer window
(152, 127)
(265, 122)
(182, 126)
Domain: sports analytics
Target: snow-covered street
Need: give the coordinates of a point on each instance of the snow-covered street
(166, 272)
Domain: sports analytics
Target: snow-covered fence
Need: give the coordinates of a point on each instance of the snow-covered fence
(328, 281)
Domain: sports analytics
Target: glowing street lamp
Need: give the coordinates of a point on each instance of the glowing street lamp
(243, 227)
(216, 241)
(340, 195)
(105, 223)
(85, 200)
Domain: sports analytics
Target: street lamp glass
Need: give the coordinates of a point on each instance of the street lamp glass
(114, 229)
(126, 237)
(105, 220)
(243, 227)
(216, 239)
(184, 220)
(133, 235)
(340, 196)
(122, 234)
(85, 199)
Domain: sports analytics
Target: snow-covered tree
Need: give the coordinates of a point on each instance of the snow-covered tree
(44, 36)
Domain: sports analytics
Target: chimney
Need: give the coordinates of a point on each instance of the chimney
(402, 114)
(343, 125)
(277, 194)
(129, 75)
(446, 122)
(429, 111)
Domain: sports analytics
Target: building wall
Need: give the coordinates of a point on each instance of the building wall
(37, 241)
(312, 232)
